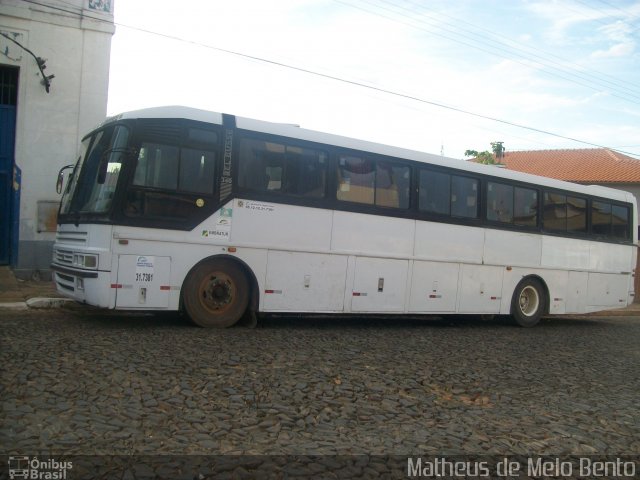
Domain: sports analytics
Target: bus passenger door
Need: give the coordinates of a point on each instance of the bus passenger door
(379, 285)
(143, 281)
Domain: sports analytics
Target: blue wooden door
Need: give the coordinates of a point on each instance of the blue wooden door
(7, 140)
(8, 97)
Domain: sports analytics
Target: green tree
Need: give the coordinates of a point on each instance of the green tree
(487, 157)
(498, 150)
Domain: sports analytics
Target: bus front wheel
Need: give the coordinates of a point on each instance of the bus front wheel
(528, 303)
(216, 294)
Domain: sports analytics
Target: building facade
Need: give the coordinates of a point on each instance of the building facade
(54, 77)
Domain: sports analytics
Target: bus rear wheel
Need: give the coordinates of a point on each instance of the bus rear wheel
(528, 303)
(216, 294)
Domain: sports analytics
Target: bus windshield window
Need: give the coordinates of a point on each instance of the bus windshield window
(73, 179)
(103, 189)
(96, 182)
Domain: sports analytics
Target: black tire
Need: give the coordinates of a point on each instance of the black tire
(216, 293)
(529, 302)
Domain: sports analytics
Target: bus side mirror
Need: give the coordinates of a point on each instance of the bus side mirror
(60, 180)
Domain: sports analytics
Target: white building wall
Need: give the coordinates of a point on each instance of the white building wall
(49, 126)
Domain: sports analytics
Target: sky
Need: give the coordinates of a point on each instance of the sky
(440, 76)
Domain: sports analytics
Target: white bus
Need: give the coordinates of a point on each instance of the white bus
(219, 216)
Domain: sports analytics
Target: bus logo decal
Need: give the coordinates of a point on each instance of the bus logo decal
(225, 180)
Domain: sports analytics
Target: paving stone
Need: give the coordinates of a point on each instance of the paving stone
(150, 385)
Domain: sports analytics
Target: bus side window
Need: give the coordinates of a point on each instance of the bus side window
(274, 167)
(392, 185)
(305, 172)
(196, 171)
(601, 218)
(356, 180)
(261, 165)
(464, 197)
(157, 166)
(577, 214)
(499, 202)
(434, 192)
(525, 208)
(555, 212)
(620, 222)
(166, 181)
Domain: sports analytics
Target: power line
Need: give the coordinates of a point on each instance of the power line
(349, 82)
(500, 51)
(375, 88)
(524, 48)
(618, 8)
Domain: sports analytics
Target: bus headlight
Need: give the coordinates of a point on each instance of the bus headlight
(85, 261)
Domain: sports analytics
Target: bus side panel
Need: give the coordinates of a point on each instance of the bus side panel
(434, 287)
(282, 227)
(512, 248)
(611, 257)
(305, 282)
(632, 278)
(565, 253)
(359, 233)
(577, 292)
(379, 285)
(480, 289)
(448, 243)
(607, 290)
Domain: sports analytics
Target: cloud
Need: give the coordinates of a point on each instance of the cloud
(618, 50)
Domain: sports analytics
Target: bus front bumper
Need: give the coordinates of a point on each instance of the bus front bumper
(86, 286)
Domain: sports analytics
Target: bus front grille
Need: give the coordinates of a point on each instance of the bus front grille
(63, 257)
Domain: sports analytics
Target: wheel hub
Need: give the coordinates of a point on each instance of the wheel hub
(528, 301)
(217, 292)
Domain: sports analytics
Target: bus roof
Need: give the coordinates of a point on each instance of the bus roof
(293, 131)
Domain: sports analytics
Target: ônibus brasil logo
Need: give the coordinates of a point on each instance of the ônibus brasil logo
(32, 468)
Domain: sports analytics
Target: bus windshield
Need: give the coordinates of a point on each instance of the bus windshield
(93, 183)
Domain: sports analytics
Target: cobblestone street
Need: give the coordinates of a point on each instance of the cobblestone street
(87, 382)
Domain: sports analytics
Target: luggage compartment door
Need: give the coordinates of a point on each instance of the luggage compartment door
(379, 285)
(143, 282)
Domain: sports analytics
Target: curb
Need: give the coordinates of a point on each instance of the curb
(37, 303)
(14, 306)
(42, 302)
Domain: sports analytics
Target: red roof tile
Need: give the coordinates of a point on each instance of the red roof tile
(591, 165)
